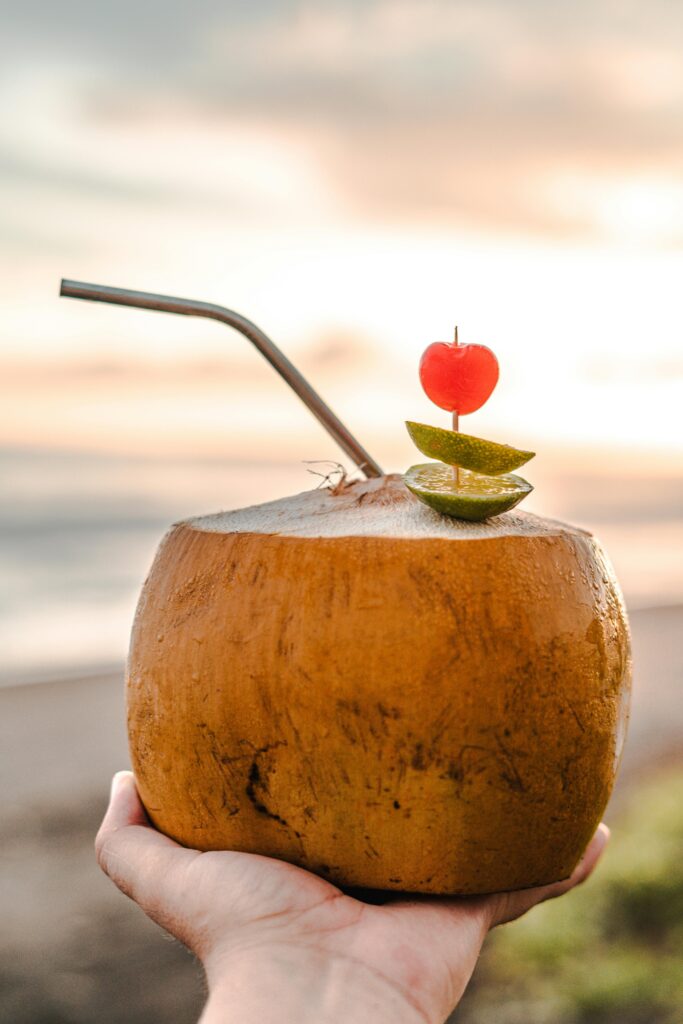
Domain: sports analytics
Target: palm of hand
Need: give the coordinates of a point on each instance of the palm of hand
(424, 949)
(235, 906)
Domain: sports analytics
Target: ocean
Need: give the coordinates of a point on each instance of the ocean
(78, 532)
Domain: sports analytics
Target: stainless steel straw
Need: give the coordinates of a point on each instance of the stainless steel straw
(190, 307)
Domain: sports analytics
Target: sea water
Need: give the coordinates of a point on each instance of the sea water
(78, 532)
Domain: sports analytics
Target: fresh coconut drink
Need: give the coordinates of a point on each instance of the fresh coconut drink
(387, 696)
(392, 682)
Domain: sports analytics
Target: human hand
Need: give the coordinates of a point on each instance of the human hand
(280, 944)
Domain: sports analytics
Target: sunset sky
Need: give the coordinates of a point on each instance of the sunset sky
(356, 177)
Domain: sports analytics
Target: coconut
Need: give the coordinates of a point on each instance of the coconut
(391, 698)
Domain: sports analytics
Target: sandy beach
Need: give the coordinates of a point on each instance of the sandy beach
(72, 949)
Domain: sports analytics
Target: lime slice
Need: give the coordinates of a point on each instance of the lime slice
(465, 450)
(474, 497)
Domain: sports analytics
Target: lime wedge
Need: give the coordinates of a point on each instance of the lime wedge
(465, 450)
(474, 497)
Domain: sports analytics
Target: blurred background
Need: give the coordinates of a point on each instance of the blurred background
(356, 177)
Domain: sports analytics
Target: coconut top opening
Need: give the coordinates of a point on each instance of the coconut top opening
(382, 507)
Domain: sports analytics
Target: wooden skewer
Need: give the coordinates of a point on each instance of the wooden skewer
(456, 422)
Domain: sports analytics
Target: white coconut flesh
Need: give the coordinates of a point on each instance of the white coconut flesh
(381, 507)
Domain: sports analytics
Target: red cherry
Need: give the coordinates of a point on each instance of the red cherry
(459, 378)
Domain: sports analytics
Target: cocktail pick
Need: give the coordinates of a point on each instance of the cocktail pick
(277, 359)
(460, 378)
(456, 416)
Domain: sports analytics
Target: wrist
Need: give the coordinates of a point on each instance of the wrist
(282, 983)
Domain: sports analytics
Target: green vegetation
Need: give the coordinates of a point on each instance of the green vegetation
(610, 952)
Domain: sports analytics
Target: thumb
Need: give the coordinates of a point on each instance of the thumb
(125, 806)
(142, 862)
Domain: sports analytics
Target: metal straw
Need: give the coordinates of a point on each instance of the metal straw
(190, 307)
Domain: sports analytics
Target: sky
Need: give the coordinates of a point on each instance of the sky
(356, 177)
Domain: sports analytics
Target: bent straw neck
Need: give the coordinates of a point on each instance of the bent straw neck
(277, 359)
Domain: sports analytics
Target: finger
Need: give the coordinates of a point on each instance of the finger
(506, 907)
(145, 865)
(125, 806)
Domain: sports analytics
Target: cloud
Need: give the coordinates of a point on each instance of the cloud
(461, 112)
(451, 113)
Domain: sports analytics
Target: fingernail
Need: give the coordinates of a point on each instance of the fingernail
(116, 783)
(603, 834)
(597, 843)
(599, 840)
